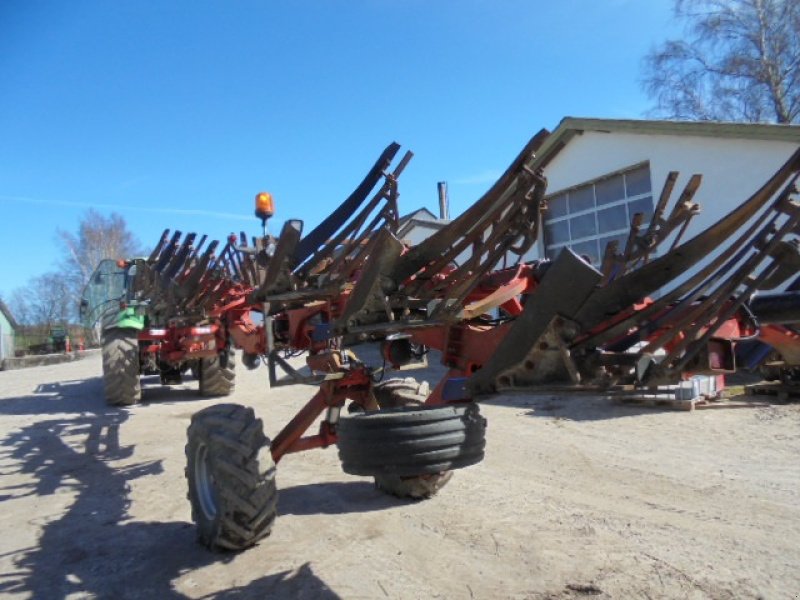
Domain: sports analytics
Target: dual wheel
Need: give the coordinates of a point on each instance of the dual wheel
(409, 449)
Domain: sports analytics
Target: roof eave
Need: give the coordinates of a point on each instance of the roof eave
(569, 127)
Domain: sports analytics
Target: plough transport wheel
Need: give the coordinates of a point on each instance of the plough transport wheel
(410, 450)
(395, 393)
(121, 367)
(231, 477)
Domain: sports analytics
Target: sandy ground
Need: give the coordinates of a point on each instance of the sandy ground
(577, 498)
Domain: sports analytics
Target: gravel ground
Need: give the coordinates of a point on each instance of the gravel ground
(577, 498)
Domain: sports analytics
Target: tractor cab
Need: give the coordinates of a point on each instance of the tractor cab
(108, 293)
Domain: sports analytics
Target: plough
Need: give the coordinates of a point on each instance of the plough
(657, 311)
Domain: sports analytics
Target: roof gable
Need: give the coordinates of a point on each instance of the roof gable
(421, 214)
(424, 223)
(569, 127)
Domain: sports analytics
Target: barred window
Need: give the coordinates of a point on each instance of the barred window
(587, 217)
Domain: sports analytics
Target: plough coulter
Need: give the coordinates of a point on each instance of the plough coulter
(657, 311)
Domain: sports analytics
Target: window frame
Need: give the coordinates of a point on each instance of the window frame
(551, 249)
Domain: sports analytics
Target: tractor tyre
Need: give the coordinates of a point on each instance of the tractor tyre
(217, 375)
(231, 477)
(410, 449)
(121, 367)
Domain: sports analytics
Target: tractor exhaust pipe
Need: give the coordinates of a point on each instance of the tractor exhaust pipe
(444, 202)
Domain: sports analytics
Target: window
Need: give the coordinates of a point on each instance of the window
(587, 217)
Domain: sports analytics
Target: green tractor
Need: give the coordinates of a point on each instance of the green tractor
(140, 339)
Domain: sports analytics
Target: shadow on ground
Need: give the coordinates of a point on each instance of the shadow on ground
(570, 406)
(154, 392)
(335, 498)
(78, 500)
(300, 583)
(86, 396)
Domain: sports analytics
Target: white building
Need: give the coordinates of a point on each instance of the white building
(8, 328)
(418, 226)
(602, 171)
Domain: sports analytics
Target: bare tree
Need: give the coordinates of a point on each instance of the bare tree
(50, 301)
(20, 305)
(37, 307)
(98, 237)
(52, 298)
(740, 61)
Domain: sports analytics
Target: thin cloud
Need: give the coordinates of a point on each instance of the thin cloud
(169, 211)
(132, 181)
(487, 176)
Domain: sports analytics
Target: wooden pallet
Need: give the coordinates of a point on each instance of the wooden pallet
(659, 402)
(780, 391)
(689, 405)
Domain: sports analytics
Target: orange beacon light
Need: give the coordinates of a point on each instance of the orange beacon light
(265, 207)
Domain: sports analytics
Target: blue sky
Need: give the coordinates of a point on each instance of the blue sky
(175, 114)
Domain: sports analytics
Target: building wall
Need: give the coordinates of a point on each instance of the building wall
(6, 338)
(417, 233)
(732, 169)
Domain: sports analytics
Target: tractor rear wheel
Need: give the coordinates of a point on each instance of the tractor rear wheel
(217, 374)
(121, 367)
(410, 448)
(231, 477)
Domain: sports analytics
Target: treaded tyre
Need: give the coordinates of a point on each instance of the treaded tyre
(420, 487)
(231, 477)
(409, 448)
(394, 393)
(217, 375)
(397, 392)
(121, 367)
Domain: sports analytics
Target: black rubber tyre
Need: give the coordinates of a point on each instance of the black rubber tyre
(231, 477)
(412, 441)
(121, 367)
(217, 374)
(419, 487)
(396, 393)
(399, 392)
(409, 448)
(770, 372)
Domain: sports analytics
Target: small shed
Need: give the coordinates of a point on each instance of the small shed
(8, 327)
